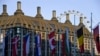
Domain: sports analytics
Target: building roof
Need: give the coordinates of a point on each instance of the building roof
(37, 22)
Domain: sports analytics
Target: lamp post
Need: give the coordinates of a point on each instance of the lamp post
(91, 38)
(59, 39)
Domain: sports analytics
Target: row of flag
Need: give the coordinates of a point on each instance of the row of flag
(65, 43)
(52, 43)
(14, 45)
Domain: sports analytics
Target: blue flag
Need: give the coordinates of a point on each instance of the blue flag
(26, 42)
(37, 45)
(7, 36)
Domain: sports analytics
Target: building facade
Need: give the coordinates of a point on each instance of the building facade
(21, 24)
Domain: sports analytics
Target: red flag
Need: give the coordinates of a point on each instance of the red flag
(96, 37)
(14, 45)
(52, 42)
(63, 45)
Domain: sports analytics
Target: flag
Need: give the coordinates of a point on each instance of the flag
(38, 45)
(66, 43)
(14, 45)
(96, 37)
(6, 46)
(63, 45)
(26, 44)
(6, 38)
(80, 39)
(52, 42)
(2, 43)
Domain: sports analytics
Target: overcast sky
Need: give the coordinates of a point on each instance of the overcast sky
(29, 8)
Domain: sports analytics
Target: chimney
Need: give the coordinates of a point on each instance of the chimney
(18, 5)
(81, 19)
(4, 9)
(38, 15)
(54, 16)
(54, 13)
(4, 13)
(38, 10)
(67, 16)
(19, 11)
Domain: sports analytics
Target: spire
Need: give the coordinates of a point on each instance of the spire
(19, 11)
(54, 16)
(39, 13)
(4, 10)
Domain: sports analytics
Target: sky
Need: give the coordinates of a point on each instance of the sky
(29, 8)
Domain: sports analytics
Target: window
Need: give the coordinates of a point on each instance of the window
(38, 27)
(42, 28)
(1, 38)
(43, 34)
(52, 25)
(18, 30)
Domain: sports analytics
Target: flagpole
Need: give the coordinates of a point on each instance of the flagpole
(59, 40)
(10, 41)
(21, 41)
(13, 37)
(9, 52)
(46, 38)
(91, 38)
(33, 42)
(74, 38)
(57, 46)
(59, 43)
(2, 43)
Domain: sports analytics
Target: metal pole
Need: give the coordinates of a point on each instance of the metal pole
(74, 38)
(9, 52)
(46, 38)
(21, 41)
(59, 40)
(59, 43)
(10, 40)
(2, 43)
(91, 38)
(33, 44)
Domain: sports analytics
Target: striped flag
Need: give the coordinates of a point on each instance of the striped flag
(14, 45)
(26, 44)
(66, 43)
(38, 45)
(52, 42)
(96, 37)
(80, 39)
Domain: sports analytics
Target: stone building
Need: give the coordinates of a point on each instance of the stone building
(38, 23)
